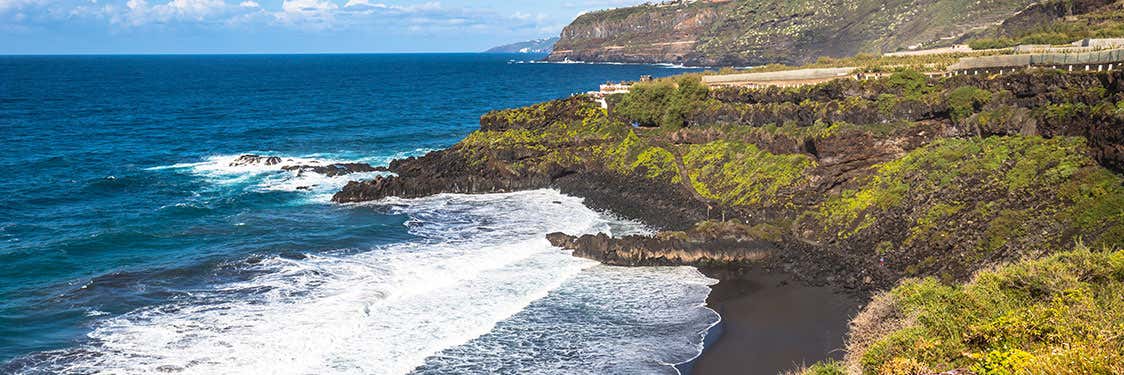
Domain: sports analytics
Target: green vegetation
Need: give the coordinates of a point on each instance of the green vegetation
(1107, 22)
(872, 63)
(1059, 315)
(830, 367)
(632, 154)
(665, 103)
(868, 170)
(658, 164)
(740, 174)
(910, 83)
(997, 174)
(538, 134)
(964, 101)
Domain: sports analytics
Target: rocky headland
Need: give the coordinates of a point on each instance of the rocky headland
(756, 32)
(855, 185)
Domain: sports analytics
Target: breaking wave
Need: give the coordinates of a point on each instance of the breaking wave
(226, 170)
(479, 287)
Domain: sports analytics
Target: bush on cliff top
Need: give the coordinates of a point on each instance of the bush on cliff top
(665, 103)
(1059, 315)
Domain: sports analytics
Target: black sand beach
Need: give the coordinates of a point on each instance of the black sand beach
(772, 324)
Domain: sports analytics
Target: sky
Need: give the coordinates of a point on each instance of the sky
(280, 26)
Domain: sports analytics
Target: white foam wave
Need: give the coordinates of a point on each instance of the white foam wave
(378, 312)
(480, 267)
(226, 170)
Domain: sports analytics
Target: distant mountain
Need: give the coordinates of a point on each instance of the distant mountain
(534, 46)
(755, 32)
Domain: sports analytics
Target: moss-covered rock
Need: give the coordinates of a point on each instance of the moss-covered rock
(966, 200)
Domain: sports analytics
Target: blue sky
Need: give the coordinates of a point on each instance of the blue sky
(279, 26)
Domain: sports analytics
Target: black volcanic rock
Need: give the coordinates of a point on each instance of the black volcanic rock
(333, 170)
(251, 159)
(651, 251)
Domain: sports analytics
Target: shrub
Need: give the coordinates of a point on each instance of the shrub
(665, 103)
(992, 43)
(911, 83)
(966, 100)
(1059, 315)
(829, 367)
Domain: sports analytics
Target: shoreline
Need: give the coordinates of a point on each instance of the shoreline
(771, 323)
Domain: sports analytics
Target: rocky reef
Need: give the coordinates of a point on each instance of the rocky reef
(330, 170)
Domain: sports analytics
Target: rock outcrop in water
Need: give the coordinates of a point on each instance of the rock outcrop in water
(330, 170)
(635, 251)
(250, 159)
(333, 170)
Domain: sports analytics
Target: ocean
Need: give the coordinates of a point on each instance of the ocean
(130, 244)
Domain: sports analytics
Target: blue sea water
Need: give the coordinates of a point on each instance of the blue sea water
(130, 244)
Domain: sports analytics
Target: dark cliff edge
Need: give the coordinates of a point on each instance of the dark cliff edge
(851, 185)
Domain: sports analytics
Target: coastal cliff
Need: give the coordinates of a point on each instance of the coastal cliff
(755, 32)
(851, 184)
(905, 176)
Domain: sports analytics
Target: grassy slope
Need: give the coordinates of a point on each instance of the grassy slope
(1025, 191)
(1063, 314)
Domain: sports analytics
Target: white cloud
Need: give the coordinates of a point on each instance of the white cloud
(140, 12)
(307, 14)
(15, 5)
(348, 19)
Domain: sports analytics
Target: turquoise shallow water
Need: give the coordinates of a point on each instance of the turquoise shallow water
(129, 245)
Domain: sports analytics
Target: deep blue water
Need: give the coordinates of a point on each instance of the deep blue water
(125, 236)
